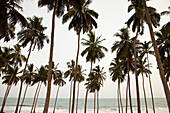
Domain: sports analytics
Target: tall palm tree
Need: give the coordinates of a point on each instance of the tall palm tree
(10, 16)
(12, 59)
(39, 77)
(101, 76)
(34, 35)
(58, 9)
(144, 48)
(94, 51)
(138, 19)
(27, 78)
(124, 52)
(58, 80)
(80, 78)
(116, 73)
(70, 73)
(82, 20)
(142, 68)
(158, 59)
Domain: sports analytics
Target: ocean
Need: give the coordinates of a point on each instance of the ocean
(108, 105)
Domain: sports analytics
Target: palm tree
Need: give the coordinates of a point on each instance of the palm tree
(142, 69)
(27, 78)
(94, 51)
(58, 80)
(80, 78)
(144, 48)
(158, 59)
(116, 73)
(9, 18)
(12, 59)
(70, 73)
(124, 52)
(82, 20)
(58, 9)
(40, 77)
(34, 35)
(101, 76)
(138, 19)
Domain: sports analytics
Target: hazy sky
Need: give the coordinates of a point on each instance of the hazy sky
(112, 16)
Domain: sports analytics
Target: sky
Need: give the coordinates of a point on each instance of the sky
(112, 17)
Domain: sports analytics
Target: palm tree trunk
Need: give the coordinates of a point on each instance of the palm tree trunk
(127, 95)
(85, 106)
(75, 74)
(151, 87)
(158, 59)
(77, 97)
(144, 93)
(97, 101)
(120, 97)
(37, 98)
(22, 79)
(130, 100)
(34, 97)
(94, 101)
(47, 101)
(56, 99)
(5, 98)
(136, 76)
(70, 97)
(23, 98)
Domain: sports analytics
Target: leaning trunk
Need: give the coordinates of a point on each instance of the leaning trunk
(158, 59)
(136, 76)
(120, 97)
(5, 98)
(22, 79)
(85, 106)
(77, 97)
(97, 101)
(130, 100)
(118, 104)
(70, 96)
(47, 101)
(151, 87)
(56, 99)
(127, 95)
(94, 101)
(75, 73)
(37, 97)
(146, 106)
(23, 98)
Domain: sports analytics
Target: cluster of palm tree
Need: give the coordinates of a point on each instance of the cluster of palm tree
(132, 56)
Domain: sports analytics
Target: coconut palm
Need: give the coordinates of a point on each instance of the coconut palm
(40, 77)
(27, 79)
(158, 59)
(101, 76)
(12, 59)
(93, 51)
(82, 20)
(124, 52)
(58, 9)
(138, 19)
(142, 68)
(34, 35)
(116, 73)
(144, 48)
(9, 18)
(58, 80)
(80, 78)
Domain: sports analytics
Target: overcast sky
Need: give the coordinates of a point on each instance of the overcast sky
(112, 16)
